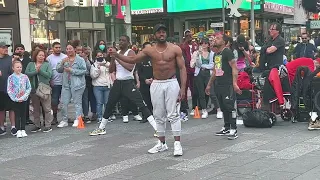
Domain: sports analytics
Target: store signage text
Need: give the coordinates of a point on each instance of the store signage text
(147, 11)
(314, 24)
(3, 3)
(213, 25)
(278, 8)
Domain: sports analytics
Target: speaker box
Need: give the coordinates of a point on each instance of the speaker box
(316, 93)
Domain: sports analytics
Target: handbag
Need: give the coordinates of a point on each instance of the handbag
(43, 90)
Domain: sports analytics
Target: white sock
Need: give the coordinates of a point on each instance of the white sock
(152, 122)
(13, 127)
(103, 123)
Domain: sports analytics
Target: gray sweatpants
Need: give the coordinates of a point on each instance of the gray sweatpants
(164, 95)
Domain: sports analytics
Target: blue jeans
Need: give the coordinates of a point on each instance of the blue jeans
(102, 95)
(77, 100)
(89, 97)
(56, 92)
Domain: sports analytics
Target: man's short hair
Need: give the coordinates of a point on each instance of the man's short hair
(278, 26)
(55, 43)
(127, 37)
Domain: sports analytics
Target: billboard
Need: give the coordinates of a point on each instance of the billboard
(182, 6)
(146, 6)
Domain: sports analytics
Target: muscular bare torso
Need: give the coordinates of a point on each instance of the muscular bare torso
(164, 64)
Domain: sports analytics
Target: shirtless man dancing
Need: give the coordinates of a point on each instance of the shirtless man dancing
(165, 90)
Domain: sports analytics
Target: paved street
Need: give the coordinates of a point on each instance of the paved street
(286, 151)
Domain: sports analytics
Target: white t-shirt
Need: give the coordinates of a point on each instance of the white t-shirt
(53, 61)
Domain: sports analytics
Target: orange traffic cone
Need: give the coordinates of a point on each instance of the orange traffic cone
(196, 113)
(81, 123)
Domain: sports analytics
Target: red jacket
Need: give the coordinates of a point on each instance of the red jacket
(295, 64)
(243, 81)
(187, 55)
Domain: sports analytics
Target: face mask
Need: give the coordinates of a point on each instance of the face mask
(102, 46)
(100, 59)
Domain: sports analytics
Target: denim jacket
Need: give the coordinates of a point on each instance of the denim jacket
(77, 74)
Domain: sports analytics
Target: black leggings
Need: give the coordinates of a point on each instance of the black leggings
(20, 109)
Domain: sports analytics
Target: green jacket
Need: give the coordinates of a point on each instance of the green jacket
(44, 74)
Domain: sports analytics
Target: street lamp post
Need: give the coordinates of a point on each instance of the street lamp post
(252, 24)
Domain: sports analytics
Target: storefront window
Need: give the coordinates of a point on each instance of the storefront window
(72, 13)
(86, 14)
(38, 11)
(54, 30)
(39, 32)
(99, 14)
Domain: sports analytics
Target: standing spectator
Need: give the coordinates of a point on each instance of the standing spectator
(101, 82)
(272, 52)
(202, 60)
(101, 46)
(73, 84)
(56, 80)
(5, 103)
(88, 96)
(19, 89)
(40, 73)
(19, 49)
(188, 48)
(146, 77)
(305, 48)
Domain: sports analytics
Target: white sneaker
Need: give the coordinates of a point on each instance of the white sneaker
(62, 124)
(137, 117)
(204, 114)
(192, 112)
(19, 134)
(125, 119)
(159, 147)
(177, 149)
(75, 123)
(113, 117)
(24, 134)
(219, 115)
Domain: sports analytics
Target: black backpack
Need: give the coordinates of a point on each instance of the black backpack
(259, 118)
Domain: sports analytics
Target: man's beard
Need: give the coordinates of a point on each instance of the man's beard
(161, 41)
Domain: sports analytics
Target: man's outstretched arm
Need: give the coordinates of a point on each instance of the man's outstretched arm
(132, 59)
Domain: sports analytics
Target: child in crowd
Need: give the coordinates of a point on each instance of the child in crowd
(19, 89)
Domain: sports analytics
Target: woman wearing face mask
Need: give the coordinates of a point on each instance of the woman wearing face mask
(74, 69)
(101, 82)
(101, 46)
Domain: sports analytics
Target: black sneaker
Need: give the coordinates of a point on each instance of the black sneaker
(54, 121)
(144, 120)
(35, 129)
(29, 122)
(213, 111)
(87, 120)
(2, 132)
(233, 134)
(223, 132)
(14, 131)
(47, 129)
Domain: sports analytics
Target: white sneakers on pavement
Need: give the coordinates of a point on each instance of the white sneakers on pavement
(219, 115)
(160, 147)
(62, 124)
(204, 114)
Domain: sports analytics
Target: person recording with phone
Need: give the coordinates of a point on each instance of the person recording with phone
(101, 81)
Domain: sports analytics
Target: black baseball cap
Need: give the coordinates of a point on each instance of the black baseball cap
(3, 44)
(158, 27)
